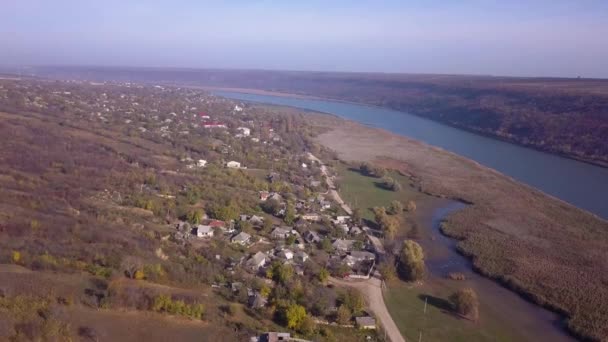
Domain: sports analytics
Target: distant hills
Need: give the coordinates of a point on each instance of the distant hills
(563, 116)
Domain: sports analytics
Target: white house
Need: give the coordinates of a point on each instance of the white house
(203, 231)
(244, 131)
(233, 164)
(201, 163)
(285, 254)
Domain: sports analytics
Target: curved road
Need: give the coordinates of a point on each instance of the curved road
(372, 290)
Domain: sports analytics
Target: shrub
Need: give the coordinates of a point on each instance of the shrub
(465, 303)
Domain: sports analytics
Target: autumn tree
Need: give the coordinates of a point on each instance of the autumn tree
(465, 303)
(343, 315)
(411, 261)
(294, 315)
(395, 208)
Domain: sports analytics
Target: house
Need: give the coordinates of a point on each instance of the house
(349, 261)
(280, 233)
(257, 261)
(201, 163)
(203, 231)
(342, 219)
(244, 131)
(363, 255)
(301, 256)
(233, 164)
(256, 220)
(275, 196)
(214, 124)
(241, 238)
(217, 224)
(264, 195)
(365, 322)
(355, 230)
(311, 237)
(343, 245)
(256, 301)
(285, 254)
(325, 205)
(344, 228)
(275, 337)
(311, 217)
(315, 183)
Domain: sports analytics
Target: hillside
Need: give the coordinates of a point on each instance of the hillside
(134, 213)
(562, 116)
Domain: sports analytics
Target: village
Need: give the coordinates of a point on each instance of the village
(239, 202)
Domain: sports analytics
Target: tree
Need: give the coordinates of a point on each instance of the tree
(387, 224)
(411, 205)
(387, 270)
(395, 208)
(271, 206)
(465, 303)
(391, 184)
(290, 214)
(326, 245)
(411, 261)
(130, 265)
(357, 217)
(353, 300)
(343, 315)
(323, 275)
(295, 315)
(195, 216)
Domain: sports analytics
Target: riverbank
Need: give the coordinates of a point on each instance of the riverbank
(551, 252)
(543, 149)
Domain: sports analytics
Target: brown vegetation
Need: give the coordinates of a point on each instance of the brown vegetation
(546, 249)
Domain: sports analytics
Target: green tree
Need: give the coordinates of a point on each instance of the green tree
(326, 245)
(465, 303)
(323, 275)
(411, 261)
(295, 315)
(290, 214)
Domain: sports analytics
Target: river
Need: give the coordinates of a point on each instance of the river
(581, 184)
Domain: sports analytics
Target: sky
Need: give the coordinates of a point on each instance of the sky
(515, 37)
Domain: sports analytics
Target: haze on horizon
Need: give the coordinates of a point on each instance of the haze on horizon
(518, 38)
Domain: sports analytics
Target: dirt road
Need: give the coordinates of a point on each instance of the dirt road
(372, 290)
(330, 184)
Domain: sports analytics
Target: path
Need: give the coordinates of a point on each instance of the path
(372, 290)
(330, 184)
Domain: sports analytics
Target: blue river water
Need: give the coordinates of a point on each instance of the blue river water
(581, 184)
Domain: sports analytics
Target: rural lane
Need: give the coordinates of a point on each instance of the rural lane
(330, 184)
(372, 290)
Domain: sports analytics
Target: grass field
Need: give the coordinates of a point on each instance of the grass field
(360, 191)
(406, 306)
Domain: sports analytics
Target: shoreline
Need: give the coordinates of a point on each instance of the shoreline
(252, 91)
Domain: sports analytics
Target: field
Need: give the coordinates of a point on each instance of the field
(549, 251)
(406, 305)
(363, 192)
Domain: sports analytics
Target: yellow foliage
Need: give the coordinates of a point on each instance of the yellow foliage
(139, 275)
(16, 256)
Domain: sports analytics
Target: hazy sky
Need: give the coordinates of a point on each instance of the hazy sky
(531, 37)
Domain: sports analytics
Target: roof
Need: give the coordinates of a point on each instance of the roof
(204, 229)
(365, 321)
(256, 259)
(241, 237)
(363, 255)
(343, 244)
(282, 231)
(217, 223)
